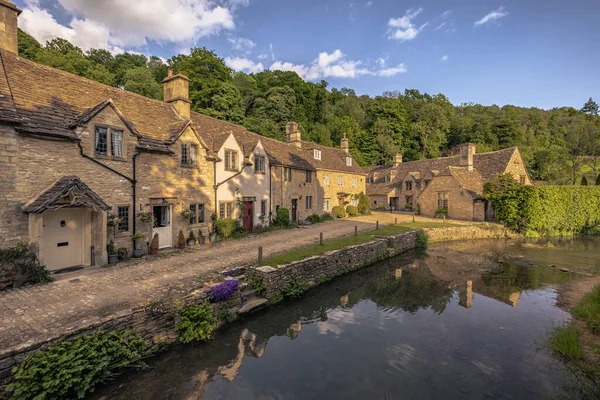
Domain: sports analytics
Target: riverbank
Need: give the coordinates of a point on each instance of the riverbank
(157, 328)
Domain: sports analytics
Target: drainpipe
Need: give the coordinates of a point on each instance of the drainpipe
(216, 186)
(270, 192)
(133, 190)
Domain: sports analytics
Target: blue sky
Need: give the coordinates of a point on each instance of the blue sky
(542, 53)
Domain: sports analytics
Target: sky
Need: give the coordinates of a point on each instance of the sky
(533, 53)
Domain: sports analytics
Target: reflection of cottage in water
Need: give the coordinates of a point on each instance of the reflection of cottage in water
(249, 345)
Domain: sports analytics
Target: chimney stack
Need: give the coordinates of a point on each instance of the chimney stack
(293, 135)
(176, 92)
(8, 26)
(345, 144)
(397, 160)
(467, 151)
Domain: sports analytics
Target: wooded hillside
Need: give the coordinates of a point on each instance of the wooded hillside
(560, 146)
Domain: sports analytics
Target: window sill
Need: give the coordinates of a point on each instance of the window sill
(191, 166)
(231, 170)
(259, 172)
(110, 158)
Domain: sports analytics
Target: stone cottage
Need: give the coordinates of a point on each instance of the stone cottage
(452, 183)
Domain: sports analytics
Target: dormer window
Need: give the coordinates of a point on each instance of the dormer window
(408, 185)
(188, 154)
(108, 142)
(231, 160)
(317, 154)
(349, 161)
(387, 179)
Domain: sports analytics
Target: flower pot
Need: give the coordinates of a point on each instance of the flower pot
(137, 253)
(113, 258)
(153, 251)
(212, 236)
(191, 241)
(202, 240)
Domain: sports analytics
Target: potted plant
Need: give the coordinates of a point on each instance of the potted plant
(191, 240)
(154, 245)
(201, 238)
(137, 252)
(123, 253)
(186, 214)
(181, 240)
(113, 256)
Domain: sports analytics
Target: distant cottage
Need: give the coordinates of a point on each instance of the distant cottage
(453, 185)
(76, 154)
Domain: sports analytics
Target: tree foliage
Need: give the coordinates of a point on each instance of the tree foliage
(559, 145)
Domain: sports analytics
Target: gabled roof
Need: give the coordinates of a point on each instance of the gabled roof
(332, 158)
(86, 116)
(379, 189)
(471, 181)
(68, 191)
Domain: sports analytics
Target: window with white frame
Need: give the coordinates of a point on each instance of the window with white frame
(354, 182)
(326, 179)
(317, 154)
(327, 205)
(116, 144)
(226, 209)
(108, 141)
(231, 160)
(349, 161)
(188, 154)
(354, 202)
(341, 180)
(101, 145)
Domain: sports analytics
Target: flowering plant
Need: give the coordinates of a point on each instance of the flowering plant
(187, 214)
(146, 217)
(112, 219)
(224, 290)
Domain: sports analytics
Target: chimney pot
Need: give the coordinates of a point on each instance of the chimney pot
(9, 35)
(397, 160)
(467, 151)
(292, 134)
(345, 144)
(176, 92)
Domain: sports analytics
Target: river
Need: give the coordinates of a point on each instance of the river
(464, 321)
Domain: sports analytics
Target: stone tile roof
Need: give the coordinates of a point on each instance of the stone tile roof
(374, 189)
(471, 181)
(68, 191)
(51, 102)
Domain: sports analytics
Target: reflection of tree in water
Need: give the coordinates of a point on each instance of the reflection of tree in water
(510, 278)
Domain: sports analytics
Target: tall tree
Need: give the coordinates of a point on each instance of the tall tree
(590, 107)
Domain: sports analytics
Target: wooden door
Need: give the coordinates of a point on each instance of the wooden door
(294, 210)
(248, 215)
(163, 226)
(63, 238)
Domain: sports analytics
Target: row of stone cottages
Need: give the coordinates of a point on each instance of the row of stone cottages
(74, 151)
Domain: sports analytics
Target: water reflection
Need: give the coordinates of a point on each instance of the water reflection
(434, 326)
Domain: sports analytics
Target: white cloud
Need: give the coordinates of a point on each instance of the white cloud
(387, 72)
(492, 16)
(272, 51)
(242, 44)
(444, 58)
(335, 65)
(403, 28)
(381, 61)
(243, 64)
(110, 23)
(263, 56)
(369, 4)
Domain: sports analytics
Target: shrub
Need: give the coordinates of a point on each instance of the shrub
(257, 283)
(228, 227)
(181, 239)
(197, 323)
(326, 217)
(71, 369)
(123, 253)
(154, 242)
(191, 235)
(598, 180)
(22, 261)
(363, 204)
(294, 289)
(421, 240)
(314, 218)
(339, 211)
(223, 290)
(408, 206)
(110, 248)
(584, 181)
(283, 217)
(352, 211)
(441, 211)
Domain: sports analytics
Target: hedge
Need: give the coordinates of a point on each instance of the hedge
(227, 227)
(546, 210)
(339, 211)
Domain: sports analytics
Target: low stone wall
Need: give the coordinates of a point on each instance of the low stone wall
(313, 270)
(470, 232)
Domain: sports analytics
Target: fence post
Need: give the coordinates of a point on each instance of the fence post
(321, 238)
(377, 225)
(260, 254)
(413, 218)
(396, 221)
(355, 230)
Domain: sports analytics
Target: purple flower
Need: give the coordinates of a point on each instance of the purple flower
(224, 290)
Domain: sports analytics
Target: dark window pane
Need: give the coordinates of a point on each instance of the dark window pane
(193, 210)
(101, 140)
(123, 214)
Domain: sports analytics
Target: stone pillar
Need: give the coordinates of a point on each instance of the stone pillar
(8, 26)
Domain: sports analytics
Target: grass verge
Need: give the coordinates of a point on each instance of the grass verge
(337, 244)
(589, 310)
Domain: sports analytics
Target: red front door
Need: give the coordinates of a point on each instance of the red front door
(248, 216)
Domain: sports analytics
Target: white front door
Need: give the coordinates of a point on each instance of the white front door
(163, 226)
(63, 238)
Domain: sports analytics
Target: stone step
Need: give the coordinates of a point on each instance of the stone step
(253, 304)
(247, 292)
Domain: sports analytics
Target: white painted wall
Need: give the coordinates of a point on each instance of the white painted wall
(248, 183)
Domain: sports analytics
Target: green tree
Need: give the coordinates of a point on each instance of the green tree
(583, 181)
(141, 81)
(598, 179)
(28, 46)
(590, 107)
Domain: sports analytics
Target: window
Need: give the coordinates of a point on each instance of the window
(308, 202)
(308, 177)
(225, 209)
(188, 154)
(408, 185)
(123, 214)
(317, 154)
(197, 214)
(259, 164)
(370, 179)
(387, 179)
(354, 202)
(231, 160)
(116, 146)
(341, 180)
(263, 207)
(354, 182)
(522, 179)
(409, 200)
(287, 174)
(443, 200)
(349, 161)
(101, 140)
(326, 179)
(327, 205)
(426, 183)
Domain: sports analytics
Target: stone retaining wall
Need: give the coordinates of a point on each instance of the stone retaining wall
(470, 232)
(313, 270)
